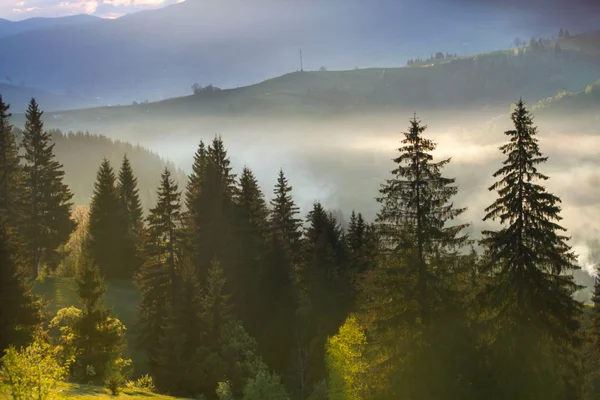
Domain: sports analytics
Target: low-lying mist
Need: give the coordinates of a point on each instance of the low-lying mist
(342, 162)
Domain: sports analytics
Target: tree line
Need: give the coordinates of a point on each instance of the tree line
(244, 299)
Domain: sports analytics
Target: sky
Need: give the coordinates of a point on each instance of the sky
(16, 10)
(549, 10)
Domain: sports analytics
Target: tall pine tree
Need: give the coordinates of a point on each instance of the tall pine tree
(251, 250)
(47, 200)
(415, 209)
(529, 261)
(284, 221)
(279, 274)
(108, 226)
(158, 278)
(410, 291)
(133, 215)
(210, 202)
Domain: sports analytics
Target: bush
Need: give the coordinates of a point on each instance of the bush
(145, 383)
(32, 373)
(265, 386)
(224, 391)
(115, 380)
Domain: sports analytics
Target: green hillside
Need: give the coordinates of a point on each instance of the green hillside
(485, 80)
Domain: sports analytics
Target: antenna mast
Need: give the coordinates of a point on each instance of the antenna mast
(301, 66)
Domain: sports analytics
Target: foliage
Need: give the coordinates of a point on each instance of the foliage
(346, 362)
(145, 382)
(265, 386)
(89, 336)
(75, 246)
(224, 391)
(32, 372)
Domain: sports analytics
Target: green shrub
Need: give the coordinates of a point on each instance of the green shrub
(265, 386)
(32, 373)
(224, 391)
(144, 382)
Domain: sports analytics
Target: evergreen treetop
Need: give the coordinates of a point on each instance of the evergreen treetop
(284, 222)
(107, 225)
(130, 199)
(416, 203)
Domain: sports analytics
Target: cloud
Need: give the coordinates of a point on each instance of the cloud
(134, 2)
(24, 10)
(20, 9)
(78, 7)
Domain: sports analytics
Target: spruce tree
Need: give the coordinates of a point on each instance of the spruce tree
(133, 215)
(10, 174)
(108, 226)
(249, 272)
(47, 200)
(284, 233)
(210, 202)
(158, 278)
(284, 222)
(415, 210)
(529, 262)
(20, 310)
(130, 198)
(194, 186)
(411, 289)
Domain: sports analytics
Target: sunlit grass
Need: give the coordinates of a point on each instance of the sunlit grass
(86, 392)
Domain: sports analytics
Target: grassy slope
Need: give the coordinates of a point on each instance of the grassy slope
(84, 392)
(494, 78)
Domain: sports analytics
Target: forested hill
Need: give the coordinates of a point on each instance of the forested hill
(82, 153)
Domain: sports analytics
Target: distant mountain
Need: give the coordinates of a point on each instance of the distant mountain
(158, 54)
(8, 28)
